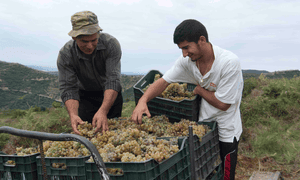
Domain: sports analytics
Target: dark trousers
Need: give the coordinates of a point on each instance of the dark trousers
(228, 153)
(91, 101)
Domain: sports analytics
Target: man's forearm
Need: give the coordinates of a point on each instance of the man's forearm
(110, 96)
(72, 107)
(210, 97)
(154, 90)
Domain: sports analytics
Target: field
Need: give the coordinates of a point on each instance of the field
(270, 113)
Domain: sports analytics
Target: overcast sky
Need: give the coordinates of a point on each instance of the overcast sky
(265, 34)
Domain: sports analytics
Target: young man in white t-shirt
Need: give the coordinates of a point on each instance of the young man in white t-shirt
(218, 76)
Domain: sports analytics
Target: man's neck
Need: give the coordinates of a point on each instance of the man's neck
(209, 57)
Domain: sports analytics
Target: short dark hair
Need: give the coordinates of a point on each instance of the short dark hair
(189, 30)
(82, 35)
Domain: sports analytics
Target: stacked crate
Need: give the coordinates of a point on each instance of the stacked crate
(25, 167)
(174, 110)
(204, 154)
(175, 167)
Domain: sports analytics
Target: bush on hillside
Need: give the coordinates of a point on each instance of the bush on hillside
(56, 104)
(17, 113)
(249, 85)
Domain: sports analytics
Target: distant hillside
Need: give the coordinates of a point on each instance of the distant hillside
(271, 75)
(22, 87)
(251, 71)
(42, 68)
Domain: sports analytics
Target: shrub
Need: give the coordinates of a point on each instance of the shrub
(56, 104)
(17, 113)
(249, 85)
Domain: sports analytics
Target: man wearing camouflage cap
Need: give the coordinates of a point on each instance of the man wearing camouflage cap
(89, 73)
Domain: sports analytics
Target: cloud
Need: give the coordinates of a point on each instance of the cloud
(264, 34)
(164, 3)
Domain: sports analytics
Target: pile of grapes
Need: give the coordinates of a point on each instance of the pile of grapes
(174, 91)
(125, 141)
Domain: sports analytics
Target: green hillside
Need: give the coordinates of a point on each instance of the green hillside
(22, 87)
(270, 111)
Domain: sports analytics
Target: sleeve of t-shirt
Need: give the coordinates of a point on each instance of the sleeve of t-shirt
(230, 86)
(179, 72)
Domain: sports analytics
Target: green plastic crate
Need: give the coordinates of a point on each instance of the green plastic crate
(174, 110)
(177, 167)
(26, 166)
(75, 168)
(206, 152)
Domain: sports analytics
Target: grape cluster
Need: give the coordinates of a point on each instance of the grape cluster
(125, 142)
(65, 149)
(174, 91)
(20, 151)
(86, 130)
(132, 145)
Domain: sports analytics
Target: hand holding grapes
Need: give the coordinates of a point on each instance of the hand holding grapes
(100, 121)
(75, 121)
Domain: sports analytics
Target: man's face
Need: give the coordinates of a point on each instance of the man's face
(87, 44)
(191, 49)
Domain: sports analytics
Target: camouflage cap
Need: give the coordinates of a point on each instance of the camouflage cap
(84, 23)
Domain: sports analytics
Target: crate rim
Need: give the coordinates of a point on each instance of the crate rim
(160, 98)
(15, 155)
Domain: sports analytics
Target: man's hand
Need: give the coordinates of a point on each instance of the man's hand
(153, 91)
(210, 97)
(138, 112)
(75, 120)
(100, 121)
(198, 90)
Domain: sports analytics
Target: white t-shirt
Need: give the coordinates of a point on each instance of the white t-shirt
(225, 78)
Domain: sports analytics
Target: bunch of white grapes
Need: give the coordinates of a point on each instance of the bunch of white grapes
(133, 145)
(174, 91)
(125, 141)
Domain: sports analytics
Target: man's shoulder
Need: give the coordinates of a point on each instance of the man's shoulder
(105, 37)
(225, 57)
(107, 41)
(67, 47)
(224, 53)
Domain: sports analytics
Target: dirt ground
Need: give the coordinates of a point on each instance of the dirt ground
(246, 166)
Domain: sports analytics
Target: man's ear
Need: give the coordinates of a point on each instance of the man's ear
(202, 39)
(74, 38)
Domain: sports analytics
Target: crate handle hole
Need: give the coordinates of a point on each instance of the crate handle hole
(59, 166)
(143, 83)
(115, 171)
(10, 163)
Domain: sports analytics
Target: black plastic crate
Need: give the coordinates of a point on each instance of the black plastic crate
(174, 110)
(75, 168)
(176, 167)
(25, 166)
(205, 154)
